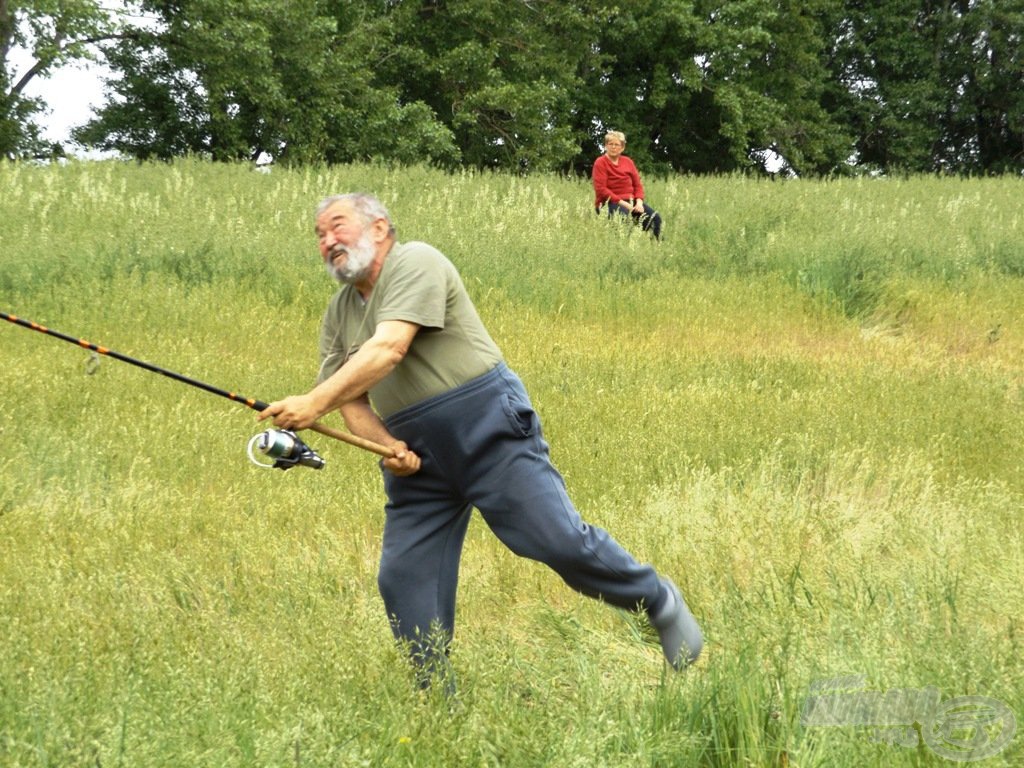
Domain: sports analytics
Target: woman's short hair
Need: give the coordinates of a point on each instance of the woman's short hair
(617, 135)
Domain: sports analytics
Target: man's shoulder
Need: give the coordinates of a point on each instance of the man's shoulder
(417, 252)
(415, 247)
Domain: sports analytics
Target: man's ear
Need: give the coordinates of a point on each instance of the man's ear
(379, 230)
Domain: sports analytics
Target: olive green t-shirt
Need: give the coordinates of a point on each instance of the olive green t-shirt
(417, 284)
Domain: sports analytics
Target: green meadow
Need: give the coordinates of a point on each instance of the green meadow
(805, 405)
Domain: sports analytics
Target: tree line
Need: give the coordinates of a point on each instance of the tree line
(698, 86)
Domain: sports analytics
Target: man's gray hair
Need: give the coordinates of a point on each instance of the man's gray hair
(366, 205)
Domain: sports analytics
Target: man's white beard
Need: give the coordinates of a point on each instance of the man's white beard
(358, 262)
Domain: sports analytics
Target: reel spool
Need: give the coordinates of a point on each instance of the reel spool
(285, 447)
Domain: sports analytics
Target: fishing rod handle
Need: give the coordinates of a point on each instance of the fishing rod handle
(347, 437)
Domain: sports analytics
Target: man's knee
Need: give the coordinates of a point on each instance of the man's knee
(391, 583)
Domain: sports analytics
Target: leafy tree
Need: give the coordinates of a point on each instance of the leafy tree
(231, 79)
(486, 83)
(790, 80)
(498, 73)
(646, 81)
(699, 85)
(54, 32)
(983, 118)
(209, 78)
(885, 57)
(932, 86)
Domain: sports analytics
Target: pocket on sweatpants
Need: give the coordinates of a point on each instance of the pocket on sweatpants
(520, 415)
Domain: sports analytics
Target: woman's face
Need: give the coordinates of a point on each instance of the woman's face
(613, 148)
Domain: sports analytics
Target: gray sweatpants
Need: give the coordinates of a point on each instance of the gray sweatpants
(481, 446)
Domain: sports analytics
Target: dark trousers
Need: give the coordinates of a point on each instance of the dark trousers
(481, 446)
(650, 219)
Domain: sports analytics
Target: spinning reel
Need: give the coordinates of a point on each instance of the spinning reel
(285, 447)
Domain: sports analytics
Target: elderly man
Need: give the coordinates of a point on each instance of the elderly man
(407, 361)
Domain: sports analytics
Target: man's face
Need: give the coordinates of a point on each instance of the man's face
(345, 244)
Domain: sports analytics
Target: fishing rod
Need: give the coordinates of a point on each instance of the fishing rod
(282, 445)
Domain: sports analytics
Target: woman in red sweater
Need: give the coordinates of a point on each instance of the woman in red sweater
(617, 184)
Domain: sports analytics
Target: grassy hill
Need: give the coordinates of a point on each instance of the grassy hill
(805, 405)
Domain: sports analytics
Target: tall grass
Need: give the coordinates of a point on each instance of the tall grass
(804, 405)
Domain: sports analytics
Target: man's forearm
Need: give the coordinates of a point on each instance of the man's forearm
(356, 377)
(375, 359)
(364, 422)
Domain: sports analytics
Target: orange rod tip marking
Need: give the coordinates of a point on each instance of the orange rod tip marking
(102, 350)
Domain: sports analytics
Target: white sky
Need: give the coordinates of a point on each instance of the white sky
(70, 94)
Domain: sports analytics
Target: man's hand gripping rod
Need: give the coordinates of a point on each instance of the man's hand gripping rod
(257, 405)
